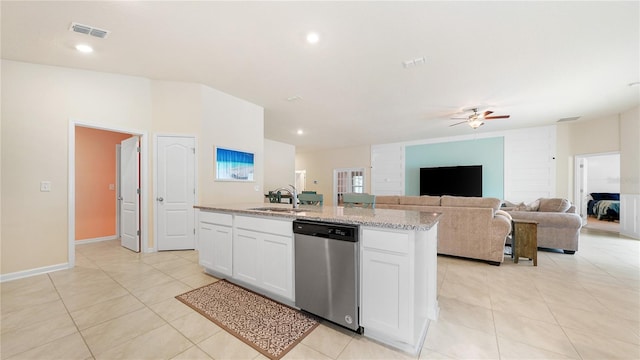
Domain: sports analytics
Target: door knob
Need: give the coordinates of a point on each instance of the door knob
(160, 199)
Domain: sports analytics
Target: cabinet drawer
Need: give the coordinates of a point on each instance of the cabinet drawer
(385, 240)
(271, 226)
(215, 218)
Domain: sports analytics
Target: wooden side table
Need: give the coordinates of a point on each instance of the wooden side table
(525, 240)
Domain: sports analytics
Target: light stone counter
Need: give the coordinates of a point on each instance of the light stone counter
(383, 218)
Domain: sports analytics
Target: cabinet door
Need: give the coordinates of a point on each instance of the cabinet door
(386, 298)
(205, 244)
(223, 250)
(277, 264)
(246, 256)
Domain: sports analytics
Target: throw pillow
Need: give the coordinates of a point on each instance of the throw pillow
(554, 205)
(534, 206)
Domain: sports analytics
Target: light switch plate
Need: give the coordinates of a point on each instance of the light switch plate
(45, 186)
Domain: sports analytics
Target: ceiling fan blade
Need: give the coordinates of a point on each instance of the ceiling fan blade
(487, 113)
(497, 117)
(461, 122)
(460, 116)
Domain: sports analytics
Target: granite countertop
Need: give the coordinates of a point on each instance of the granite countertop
(383, 218)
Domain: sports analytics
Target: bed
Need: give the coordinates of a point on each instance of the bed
(604, 206)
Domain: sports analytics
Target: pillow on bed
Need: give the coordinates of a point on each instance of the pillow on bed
(605, 196)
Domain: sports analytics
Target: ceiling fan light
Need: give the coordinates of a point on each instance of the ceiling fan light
(476, 123)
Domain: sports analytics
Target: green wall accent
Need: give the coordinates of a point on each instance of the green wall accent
(488, 152)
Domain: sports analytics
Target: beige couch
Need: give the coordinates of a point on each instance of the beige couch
(469, 226)
(558, 223)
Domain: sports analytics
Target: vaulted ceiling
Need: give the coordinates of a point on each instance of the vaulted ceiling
(359, 84)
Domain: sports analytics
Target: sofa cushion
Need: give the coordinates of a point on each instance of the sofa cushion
(554, 205)
(387, 199)
(463, 201)
(425, 200)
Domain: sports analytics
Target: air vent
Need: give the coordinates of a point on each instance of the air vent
(567, 119)
(89, 30)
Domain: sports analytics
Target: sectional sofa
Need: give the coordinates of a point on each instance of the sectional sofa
(558, 222)
(470, 227)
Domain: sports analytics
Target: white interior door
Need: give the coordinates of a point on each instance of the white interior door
(581, 200)
(175, 195)
(130, 193)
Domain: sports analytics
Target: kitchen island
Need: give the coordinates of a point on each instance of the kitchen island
(253, 246)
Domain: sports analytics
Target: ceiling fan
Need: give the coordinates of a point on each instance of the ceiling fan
(476, 119)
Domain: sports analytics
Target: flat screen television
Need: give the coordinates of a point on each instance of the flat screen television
(451, 180)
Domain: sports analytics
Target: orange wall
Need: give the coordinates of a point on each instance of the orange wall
(95, 171)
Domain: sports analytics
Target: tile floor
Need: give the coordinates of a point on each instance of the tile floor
(119, 305)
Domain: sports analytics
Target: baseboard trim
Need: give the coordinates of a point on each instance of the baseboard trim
(33, 272)
(98, 239)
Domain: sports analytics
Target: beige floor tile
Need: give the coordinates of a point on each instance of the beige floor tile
(26, 285)
(302, 352)
(30, 315)
(362, 348)
(223, 346)
(328, 340)
(530, 308)
(191, 255)
(192, 353)
(427, 354)
(474, 294)
(198, 280)
(510, 349)
(93, 295)
(462, 313)
(20, 298)
(532, 332)
(172, 266)
(134, 282)
(161, 292)
(596, 347)
(195, 327)
(37, 334)
(189, 269)
(107, 335)
(158, 257)
(597, 323)
(164, 342)
(461, 342)
(68, 347)
(105, 311)
(170, 309)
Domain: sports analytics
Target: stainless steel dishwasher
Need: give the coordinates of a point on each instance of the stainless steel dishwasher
(326, 257)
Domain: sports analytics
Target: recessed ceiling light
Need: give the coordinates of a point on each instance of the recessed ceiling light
(635, 83)
(300, 132)
(84, 48)
(414, 62)
(294, 98)
(313, 38)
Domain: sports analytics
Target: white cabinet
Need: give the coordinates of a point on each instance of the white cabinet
(386, 282)
(397, 285)
(215, 241)
(263, 254)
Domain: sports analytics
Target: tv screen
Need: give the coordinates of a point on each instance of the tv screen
(451, 180)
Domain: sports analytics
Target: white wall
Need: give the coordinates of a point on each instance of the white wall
(630, 173)
(603, 173)
(38, 103)
(279, 164)
(320, 165)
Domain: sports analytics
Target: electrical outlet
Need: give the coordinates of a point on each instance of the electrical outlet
(112, 186)
(45, 186)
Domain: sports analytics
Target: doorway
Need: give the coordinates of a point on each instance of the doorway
(350, 180)
(597, 187)
(143, 183)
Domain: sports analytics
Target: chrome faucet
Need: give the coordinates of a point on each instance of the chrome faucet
(293, 192)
